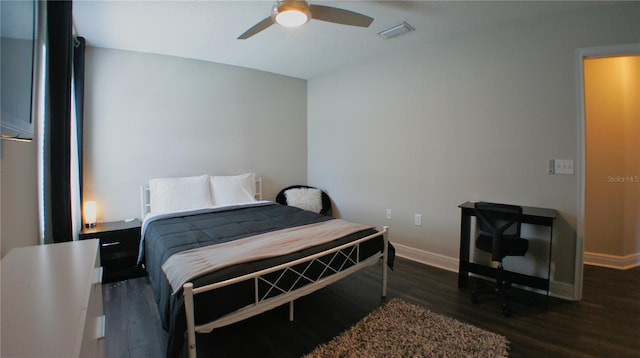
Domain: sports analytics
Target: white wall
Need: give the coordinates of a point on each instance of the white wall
(475, 117)
(152, 116)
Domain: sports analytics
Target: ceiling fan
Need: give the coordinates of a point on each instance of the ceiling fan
(293, 13)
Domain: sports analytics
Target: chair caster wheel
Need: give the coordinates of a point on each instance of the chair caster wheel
(474, 297)
(506, 311)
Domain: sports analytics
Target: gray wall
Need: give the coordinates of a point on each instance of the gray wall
(475, 117)
(150, 116)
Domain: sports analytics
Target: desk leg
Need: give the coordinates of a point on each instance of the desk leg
(465, 238)
(549, 265)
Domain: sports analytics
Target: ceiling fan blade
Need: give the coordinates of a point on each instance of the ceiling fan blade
(339, 16)
(256, 28)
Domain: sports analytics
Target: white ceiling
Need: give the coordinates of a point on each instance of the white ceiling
(207, 30)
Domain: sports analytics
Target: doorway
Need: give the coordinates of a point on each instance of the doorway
(612, 170)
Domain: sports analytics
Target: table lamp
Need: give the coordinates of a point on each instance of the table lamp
(90, 213)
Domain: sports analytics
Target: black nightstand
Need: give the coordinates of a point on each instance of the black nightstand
(119, 244)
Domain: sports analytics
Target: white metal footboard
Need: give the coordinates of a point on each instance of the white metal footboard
(268, 301)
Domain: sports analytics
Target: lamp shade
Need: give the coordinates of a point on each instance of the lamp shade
(291, 13)
(291, 18)
(90, 213)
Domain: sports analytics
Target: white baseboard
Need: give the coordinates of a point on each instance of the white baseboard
(557, 289)
(562, 290)
(612, 261)
(427, 258)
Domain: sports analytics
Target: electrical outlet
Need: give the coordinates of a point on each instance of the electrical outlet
(388, 214)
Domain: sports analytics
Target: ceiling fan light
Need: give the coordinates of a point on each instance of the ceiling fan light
(292, 18)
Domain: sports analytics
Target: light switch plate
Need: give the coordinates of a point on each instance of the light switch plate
(563, 166)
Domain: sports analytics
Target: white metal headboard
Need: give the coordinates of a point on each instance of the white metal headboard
(145, 197)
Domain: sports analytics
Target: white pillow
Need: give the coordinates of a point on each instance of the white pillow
(233, 189)
(179, 194)
(305, 198)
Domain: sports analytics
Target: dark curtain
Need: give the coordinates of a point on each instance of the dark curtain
(78, 83)
(58, 118)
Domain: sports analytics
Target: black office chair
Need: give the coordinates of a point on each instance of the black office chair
(499, 234)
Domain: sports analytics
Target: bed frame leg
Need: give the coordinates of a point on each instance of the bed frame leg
(385, 257)
(191, 330)
(291, 311)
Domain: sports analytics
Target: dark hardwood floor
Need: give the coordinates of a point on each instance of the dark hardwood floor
(606, 323)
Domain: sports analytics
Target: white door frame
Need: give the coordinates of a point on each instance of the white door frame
(581, 54)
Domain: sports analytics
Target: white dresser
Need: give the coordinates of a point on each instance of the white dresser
(52, 301)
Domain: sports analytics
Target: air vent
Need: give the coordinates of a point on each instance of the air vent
(396, 30)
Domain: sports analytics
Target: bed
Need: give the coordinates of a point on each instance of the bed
(217, 254)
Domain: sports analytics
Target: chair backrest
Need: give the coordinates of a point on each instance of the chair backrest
(281, 198)
(499, 221)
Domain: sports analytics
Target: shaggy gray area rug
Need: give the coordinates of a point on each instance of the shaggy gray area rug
(400, 329)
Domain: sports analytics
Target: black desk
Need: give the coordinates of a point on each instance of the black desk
(530, 215)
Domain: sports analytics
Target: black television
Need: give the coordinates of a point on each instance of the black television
(19, 62)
